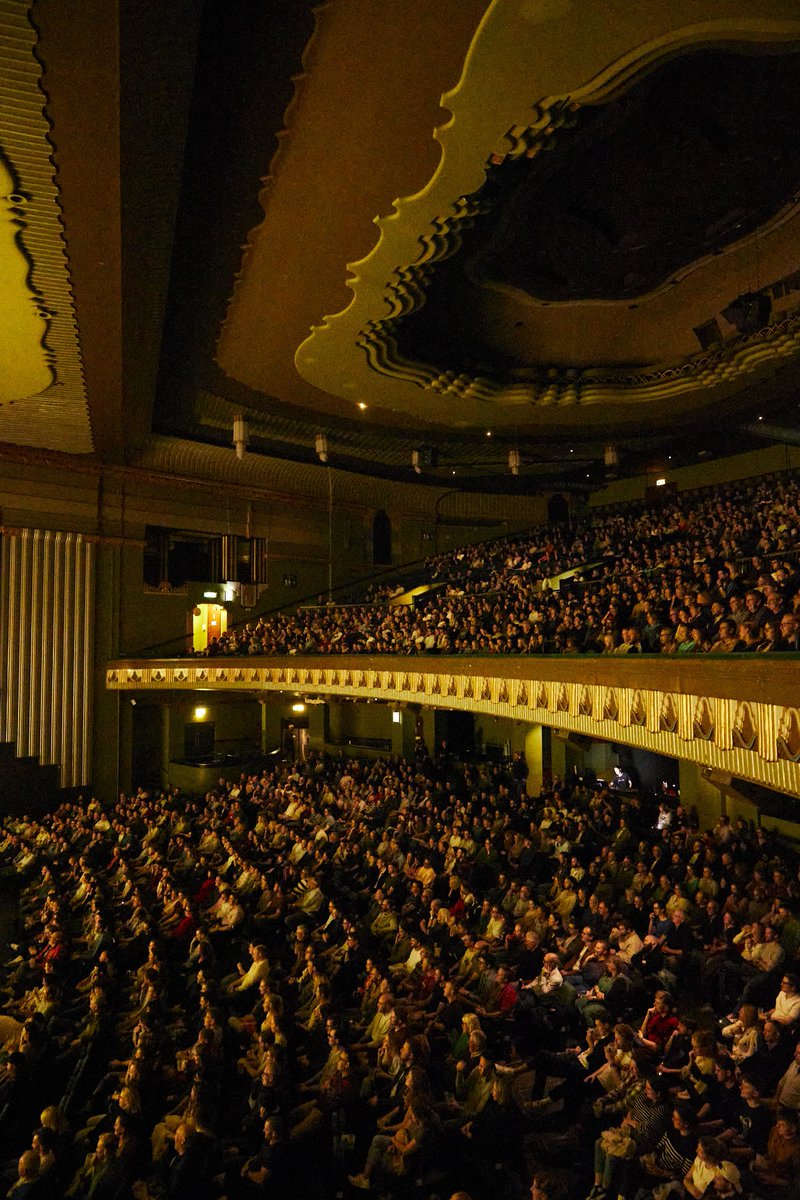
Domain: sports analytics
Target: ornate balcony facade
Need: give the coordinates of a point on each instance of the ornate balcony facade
(739, 715)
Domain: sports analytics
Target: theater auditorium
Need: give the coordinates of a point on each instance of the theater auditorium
(399, 599)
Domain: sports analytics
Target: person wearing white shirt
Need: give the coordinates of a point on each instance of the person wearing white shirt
(627, 941)
(787, 1093)
(787, 1003)
(410, 964)
(549, 978)
(250, 977)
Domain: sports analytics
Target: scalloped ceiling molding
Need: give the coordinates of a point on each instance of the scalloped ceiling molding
(356, 134)
(523, 75)
(43, 396)
(24, 366)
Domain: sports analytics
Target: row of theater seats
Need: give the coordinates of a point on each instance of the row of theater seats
(714, 571)
(406, 976)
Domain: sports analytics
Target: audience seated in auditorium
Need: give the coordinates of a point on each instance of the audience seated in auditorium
(704, 572)
(441, 1014)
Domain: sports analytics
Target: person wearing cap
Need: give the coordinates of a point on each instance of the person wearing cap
(727, 1181)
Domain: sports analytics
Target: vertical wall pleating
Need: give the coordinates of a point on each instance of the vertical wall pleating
(46, 648)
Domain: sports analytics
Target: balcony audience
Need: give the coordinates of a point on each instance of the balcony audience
(709, 572)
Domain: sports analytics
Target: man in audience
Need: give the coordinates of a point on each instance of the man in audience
(620, 606)
(456, 1012)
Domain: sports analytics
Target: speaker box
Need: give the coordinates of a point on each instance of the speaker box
(749, 312)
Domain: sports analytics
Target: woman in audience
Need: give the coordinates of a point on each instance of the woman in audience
(178, 1035)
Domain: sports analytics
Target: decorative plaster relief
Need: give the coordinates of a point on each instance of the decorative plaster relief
(668, 716)
(42, 392)
(744, 732)
(789, 735)
(721, 732)
(703, 720)
(535, 89)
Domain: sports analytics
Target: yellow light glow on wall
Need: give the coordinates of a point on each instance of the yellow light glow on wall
(208, 621)
(24, 369)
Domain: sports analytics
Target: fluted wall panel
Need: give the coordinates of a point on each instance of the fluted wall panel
(47, 591)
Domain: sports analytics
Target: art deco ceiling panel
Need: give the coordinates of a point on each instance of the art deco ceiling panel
(42, 393)
(357, 134)
(526, 336)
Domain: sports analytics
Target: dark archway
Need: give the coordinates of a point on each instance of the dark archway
(557, 509)
(381, 539)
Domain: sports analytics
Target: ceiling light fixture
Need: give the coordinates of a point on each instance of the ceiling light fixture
(240, 435)
(361, 405)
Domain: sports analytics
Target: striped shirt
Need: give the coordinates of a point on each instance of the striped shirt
(675, 1152)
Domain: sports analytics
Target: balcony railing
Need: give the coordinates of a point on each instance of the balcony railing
(738, 714)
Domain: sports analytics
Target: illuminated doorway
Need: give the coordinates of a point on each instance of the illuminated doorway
(208, 621)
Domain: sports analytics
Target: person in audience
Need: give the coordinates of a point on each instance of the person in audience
(643, 581)
(306, 1027)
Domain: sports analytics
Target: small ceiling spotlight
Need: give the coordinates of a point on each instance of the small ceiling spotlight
(322, 447)
(513, 461)
(240, 435)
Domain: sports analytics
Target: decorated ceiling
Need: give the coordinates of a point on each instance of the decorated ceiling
(42, 393)
(439, 233)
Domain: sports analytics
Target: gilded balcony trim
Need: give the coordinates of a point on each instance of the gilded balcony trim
(736, 716)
